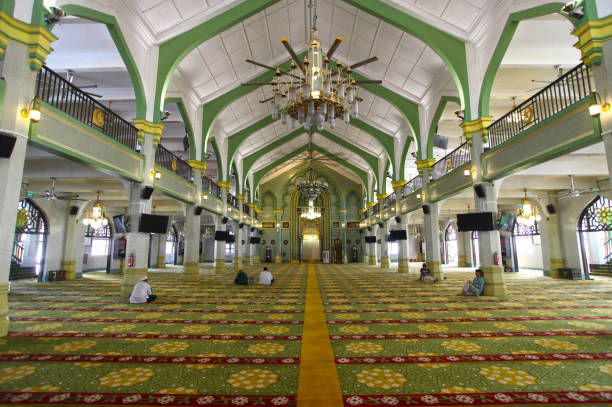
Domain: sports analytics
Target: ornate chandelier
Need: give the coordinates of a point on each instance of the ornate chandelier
(96, 216)
(527, 213)
(312, 213)
(311, 187)
(316, 93)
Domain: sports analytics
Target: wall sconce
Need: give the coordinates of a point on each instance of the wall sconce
(597, 107)
(157, 174)
(32, 112)
(418, 196)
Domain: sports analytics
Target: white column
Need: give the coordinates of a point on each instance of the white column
(221, 226)
(432, 239)
(384, 246)
(467, 244)
(279, 229)
(161, 251)
(239, 234)
(191, 259)
(372, 246)
(71, 240)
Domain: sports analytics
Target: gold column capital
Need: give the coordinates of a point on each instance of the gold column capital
(398, 184)
(199, 165)
(37, 38)
(241, 197)
(381, 197)
(370, 204)
(146, 127)
(224, 184)
(250, 204)
(591, 36)
(479, 125)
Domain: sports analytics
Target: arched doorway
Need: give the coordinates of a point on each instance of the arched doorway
(303, 228)
(171, 245)
(97, 253)
(595, 232)
(451, 248)
(475, 249)
(30, 242)
(527, 246)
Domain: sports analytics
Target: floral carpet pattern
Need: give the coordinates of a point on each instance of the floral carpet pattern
(201, 343)
(402, 342)
(396, 341)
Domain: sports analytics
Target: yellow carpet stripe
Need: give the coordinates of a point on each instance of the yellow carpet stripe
(318, 384)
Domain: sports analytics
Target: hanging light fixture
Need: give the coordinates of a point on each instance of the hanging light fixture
(317, 93)
(515, 117)
(527, 213)
(312, 212)
(96, 216)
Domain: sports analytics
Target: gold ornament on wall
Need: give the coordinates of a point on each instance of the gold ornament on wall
(98, 117)
(605, 216)
(22, 218)
(174, 165)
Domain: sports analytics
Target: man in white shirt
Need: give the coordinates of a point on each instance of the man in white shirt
(265, 277)
(142, 292)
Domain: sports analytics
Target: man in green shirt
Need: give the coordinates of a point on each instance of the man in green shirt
(474, 287)
(241, 278)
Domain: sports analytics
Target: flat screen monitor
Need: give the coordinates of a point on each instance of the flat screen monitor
(231, 238)
(506, 221)
(255, 240)
(395, 235)
(153, 223)
(481, 221)
(221, 235)
(370, 239)
(120, 224)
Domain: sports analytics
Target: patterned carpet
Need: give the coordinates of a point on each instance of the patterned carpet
(395, 341)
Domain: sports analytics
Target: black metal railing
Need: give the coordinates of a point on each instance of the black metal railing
(211, 187)
(412, 186)
(172, 162)
(375, 208)
(567, 90)
(232, 200)
(363, 215)
(454, 159)
(53, 89)
(390, 200)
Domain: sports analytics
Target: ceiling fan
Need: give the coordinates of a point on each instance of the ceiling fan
(573, 192)
(70, 78)
(50, 195)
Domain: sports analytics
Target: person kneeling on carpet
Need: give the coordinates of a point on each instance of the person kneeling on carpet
(474, 287)
(426, 274)
(142, 292)
(241, 278)
(265, 277)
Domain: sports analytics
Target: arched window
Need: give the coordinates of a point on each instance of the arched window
(171, 235)
(595, 230)
(100, 239)
(597, 216)
(30, 242)
(450, 233)
(521, 229)
(451, 249)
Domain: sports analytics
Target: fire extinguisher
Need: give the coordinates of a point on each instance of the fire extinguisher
(131, 260)
(496, 259)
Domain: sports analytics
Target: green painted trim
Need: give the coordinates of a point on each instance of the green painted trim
(38, 14)
(187, 122)
(168, 192)
(124, 50)
(450, 191)
(172, 51)
(8, 6)
(220, 172)
(382, 188)
(402, 165)
(32, 135)
(436, 119)
(367, 157)
(502, 46)
(236, 139)
(450, 49)
(557, 152)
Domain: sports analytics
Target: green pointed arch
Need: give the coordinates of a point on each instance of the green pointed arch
(115, 32)
(502, 46)
(187, 122)
(219, 163)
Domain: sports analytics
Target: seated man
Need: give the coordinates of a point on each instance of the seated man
(241, 278)
(142, 292)
(426, 274)
(265, 277)
(474, 287)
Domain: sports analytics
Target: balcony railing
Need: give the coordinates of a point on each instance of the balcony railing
(412, 186)
(232, 200)
(375, 208)
(172, 162)
(363, 215)
(569, 89)
(452, 160)
(51, 88)
(211, 187)
(390, 200)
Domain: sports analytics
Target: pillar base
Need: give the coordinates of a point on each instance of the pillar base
(220, 266)
(461, 262)
(130, 278)
(384, 262)
(257, 259)
(249, 260)
(191, 271)
(237, 263)
(420, 257)
(344, 259)
(68, 266)
(372, 260)
(495, 283)
(122, 265)
(202, 258)
(4, 321)
(161, 262)
(278, 259)
(403, 266)
(555, 265)
(366, 259)
(436, 270)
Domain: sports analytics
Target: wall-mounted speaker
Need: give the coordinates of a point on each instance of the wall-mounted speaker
(480, 191)
(551, 209)
(369, 228)
(426, 209)
(240, 225)
(74, 210)
(252, 230)
(147, 192)
(398, 219)
(7, 143)
(380, 224)
(198, 210)
(224, 220)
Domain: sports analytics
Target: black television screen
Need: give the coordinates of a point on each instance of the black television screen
(370, 239)
(221, 235)
(119, 224)
(395, 235)
(506, 221)
(153, 223)
(255, 240)
(481, 221)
